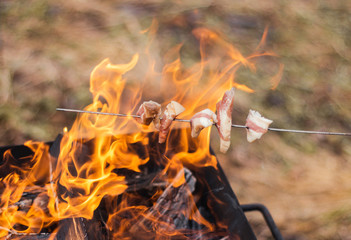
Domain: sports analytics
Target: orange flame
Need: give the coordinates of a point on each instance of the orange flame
(84, 174)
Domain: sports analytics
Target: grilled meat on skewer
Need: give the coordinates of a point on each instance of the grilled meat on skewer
(173, 109)
(257, 125)
(201, 120)
(148, 112)
(224, 118)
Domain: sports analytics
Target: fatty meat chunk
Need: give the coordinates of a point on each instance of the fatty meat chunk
(257, 125)
(148, 112)
(224, 118)
(173, 109)
(201, 120)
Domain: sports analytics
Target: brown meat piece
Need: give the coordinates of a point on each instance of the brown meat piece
(201, 120)
(173, 109)
(224, 118)
(148, 112)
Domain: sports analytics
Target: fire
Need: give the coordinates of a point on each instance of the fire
(100, 156)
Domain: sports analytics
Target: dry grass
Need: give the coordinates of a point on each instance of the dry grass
(48, 49)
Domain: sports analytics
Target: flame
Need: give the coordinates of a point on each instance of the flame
(99, 152)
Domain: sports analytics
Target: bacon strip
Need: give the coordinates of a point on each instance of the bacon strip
(173, 109)
(257, 125)
(224, 117)
(148, 112)
(201, 120)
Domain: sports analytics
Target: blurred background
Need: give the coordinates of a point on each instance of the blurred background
(48, 49)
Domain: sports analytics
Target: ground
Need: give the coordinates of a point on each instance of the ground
(48, 49)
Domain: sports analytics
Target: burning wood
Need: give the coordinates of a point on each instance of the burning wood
(174, 209)
(170, 212)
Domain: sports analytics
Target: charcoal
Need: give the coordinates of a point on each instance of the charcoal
(29, 197)
(80, 229)
(171, 210)
(38, 236)
(55, 146)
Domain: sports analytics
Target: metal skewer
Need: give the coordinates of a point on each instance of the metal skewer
(186, 120)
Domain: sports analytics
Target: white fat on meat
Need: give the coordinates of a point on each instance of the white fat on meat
(257, 125)
(224, 119)
(149, 112)
(201, 120)
(173, 109)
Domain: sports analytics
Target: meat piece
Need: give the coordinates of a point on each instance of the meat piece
(224, 118)
(201, 120)
(173, 109)
(257, 125)
(148, 112)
